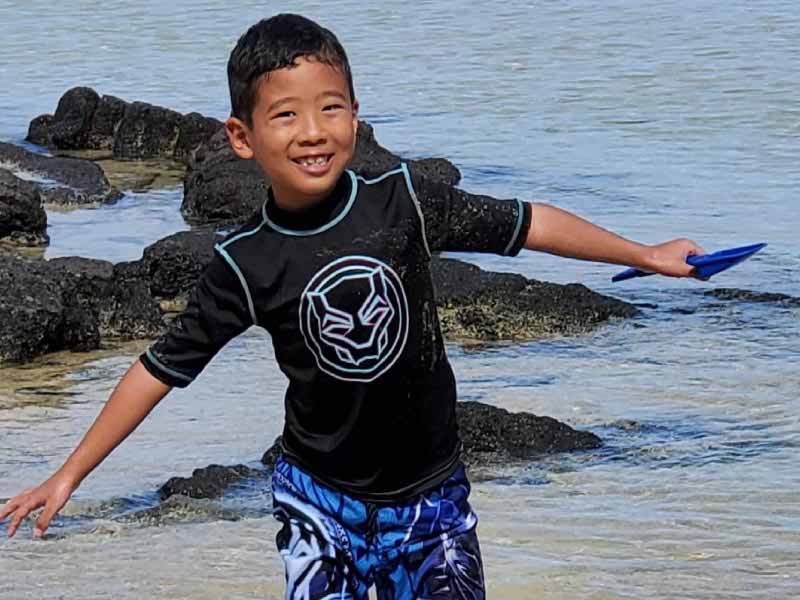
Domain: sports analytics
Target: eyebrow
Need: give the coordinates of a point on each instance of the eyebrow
(335, 93)
(281, 102)
(288, 99)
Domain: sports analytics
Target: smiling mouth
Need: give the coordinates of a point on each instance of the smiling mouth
(313, 162)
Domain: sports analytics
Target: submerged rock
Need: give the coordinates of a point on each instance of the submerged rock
(751, 296)
(180, 509)
(209, 482)
(23, 221)
(490, 436)
(65, 181)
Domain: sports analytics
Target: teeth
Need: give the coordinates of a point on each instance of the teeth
(319, 160)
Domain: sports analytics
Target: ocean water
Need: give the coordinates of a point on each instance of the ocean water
(654, 119)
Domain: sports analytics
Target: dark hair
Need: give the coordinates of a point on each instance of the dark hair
(276, 43)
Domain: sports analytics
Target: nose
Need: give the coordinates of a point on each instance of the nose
(311, 131)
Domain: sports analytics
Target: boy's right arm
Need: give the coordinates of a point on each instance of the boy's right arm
(135, 396)
(218, 310)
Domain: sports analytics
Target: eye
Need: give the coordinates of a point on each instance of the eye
(331, 107)
(287, 114)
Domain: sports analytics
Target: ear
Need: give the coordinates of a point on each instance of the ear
(238, 136)
(355, 120)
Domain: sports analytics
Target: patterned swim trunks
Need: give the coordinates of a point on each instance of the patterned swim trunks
(337, 547)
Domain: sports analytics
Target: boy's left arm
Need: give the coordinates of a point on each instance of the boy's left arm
(559, 232)
(459, 221)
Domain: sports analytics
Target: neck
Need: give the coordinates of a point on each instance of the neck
(297, 203)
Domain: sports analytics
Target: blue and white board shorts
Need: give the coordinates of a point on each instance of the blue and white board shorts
(337, 547)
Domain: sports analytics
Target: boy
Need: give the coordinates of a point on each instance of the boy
(370, 490)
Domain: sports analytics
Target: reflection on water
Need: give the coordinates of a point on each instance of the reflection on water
(646, 121)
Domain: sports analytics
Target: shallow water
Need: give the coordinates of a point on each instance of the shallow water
(654, 119)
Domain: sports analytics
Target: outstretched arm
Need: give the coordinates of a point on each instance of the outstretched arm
(135, 396)
(216, 312)
(458, 221)
(559, 232)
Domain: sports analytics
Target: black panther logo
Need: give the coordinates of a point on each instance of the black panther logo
(354, 318)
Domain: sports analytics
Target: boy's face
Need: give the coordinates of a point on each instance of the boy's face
(303, 131)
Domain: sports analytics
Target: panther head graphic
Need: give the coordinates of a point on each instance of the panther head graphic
(361, 336)
(354, 318)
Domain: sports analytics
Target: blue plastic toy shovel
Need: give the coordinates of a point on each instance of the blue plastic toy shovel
(706, 265)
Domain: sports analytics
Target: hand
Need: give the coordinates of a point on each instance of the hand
(669, 258)
(52, 494)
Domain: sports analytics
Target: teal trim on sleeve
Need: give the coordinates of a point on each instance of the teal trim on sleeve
(410, 186)
(242, 280)
(333, 223)
(520, 218)
(166, 369)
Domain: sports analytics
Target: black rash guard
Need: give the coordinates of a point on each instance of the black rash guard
(345, 291)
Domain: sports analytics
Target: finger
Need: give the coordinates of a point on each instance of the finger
(19, 515)
(10, 507)
(25, 508)
(43, 522)
(696, 250)
(12, 503)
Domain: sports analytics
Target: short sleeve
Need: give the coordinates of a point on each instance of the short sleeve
(458, 221)
(216, 312)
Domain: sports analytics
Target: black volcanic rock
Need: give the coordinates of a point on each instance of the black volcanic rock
(105, 121)
(146, 131)
(484, 306)
(69, 129)
(23, 221)
(734, 294)
(123, 308)
(132, 130)
(208, 482)
(36, 317)
(65, 181)
(219, 187)
(172, 265)
(371, 159)
(491, 435)
(194, 129)
(69, 304)
(39, 130)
